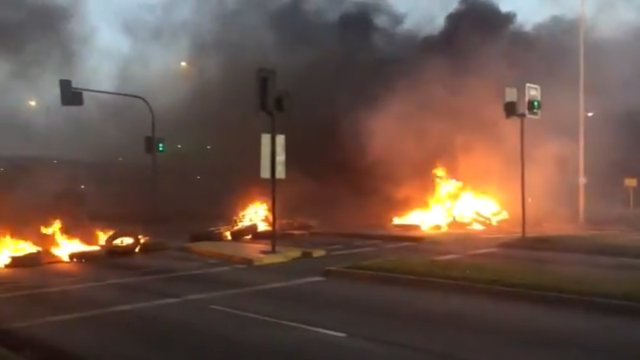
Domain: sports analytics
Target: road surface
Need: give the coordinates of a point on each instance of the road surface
(176, 305)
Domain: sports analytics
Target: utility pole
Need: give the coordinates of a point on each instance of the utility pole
(581, 117)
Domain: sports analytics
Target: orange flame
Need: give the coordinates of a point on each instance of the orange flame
(11, 247)
(65, 245)
(453, 201)
(257, 213)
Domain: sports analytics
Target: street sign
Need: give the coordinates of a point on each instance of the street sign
(533, 100)
(265, 156)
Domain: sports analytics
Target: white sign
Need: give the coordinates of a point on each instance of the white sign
(265, 156)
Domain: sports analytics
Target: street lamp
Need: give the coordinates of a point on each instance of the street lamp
(32, 103)
(581, 114)
(184, 64)
(590, 114)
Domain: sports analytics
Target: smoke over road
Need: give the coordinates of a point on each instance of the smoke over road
(375, 106)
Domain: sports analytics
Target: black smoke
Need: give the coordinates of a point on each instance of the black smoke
(376, 107)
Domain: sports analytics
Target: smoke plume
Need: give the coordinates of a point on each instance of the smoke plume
(375, 106)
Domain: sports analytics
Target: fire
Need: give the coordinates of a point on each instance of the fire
(257, 213)
(65, 244)
(10, 247)
(454, 201)
(103, 235)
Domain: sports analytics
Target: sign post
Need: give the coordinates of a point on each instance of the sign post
(272, 145)
(631, 184)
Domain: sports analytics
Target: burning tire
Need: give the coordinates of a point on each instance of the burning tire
(213, 234)
(244, 232)
(28, 260)
(122, 243)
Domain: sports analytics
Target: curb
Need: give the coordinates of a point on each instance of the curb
(574, 301)
(268, 259)
(370, 236)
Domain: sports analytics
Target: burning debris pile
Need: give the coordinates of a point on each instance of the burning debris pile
(254, 221)
(65, 247)
(454, 204)
(256, 214)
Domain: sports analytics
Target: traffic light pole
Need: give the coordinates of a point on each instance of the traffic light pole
(274, 185)
(154, 155)
(523, 193)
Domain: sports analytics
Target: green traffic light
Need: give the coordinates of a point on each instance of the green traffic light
(160, 147)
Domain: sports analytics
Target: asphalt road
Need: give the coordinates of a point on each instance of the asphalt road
(176, 305)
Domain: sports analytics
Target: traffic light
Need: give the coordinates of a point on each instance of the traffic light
(160, 145)
(283, 102)
(68, 95)
(533, 100)
(150, 147)
(510, 102)
(267, 90)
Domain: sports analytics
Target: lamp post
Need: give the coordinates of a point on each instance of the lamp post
(581, 115)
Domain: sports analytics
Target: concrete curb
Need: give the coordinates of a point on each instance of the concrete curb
(581, 302)
(372, 236)
(267, 259)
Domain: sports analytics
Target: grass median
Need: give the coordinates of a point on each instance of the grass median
(514, 274)
(578, 244)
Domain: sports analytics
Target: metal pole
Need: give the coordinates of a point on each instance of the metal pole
(631, 198)
(154, 155)
(581, 117)
(274, 230)
(523, 196)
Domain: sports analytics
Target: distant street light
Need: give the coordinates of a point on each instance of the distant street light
(590, 114)
(32, 103)
(184, 64)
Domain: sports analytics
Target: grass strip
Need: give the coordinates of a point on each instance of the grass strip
(589, 245)
(513, 275)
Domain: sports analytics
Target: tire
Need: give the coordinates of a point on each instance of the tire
(129, 249)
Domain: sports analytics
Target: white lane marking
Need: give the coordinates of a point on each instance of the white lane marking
(115, 281)
(482, 251)
(352, 251)
(166, 301)
(446, 257)
(277, 321)
(398, 245)
(369, 242)
(332, 247)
